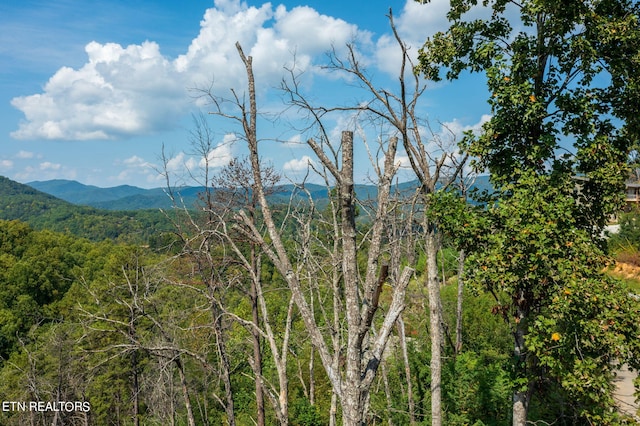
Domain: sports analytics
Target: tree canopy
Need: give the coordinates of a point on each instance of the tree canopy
(564, 97)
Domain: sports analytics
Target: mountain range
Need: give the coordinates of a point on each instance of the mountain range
(130, 213)
(126, 197)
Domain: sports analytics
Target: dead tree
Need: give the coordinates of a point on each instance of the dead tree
(433, 159)
(130, 307)
(351, 381)
(209, 229)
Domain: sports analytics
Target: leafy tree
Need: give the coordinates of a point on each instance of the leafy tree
(563, 78)
(38, 268)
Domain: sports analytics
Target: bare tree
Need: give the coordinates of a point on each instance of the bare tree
(210, 229)
(351, 380)
(234, 189)
(432, 156)
(138, 329)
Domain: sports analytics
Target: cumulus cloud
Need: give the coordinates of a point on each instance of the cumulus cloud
(118, 92)
(297, 165)
(25, 155)
(128, 91)
(6, 164)
(179, 162)
(456, 129)
(415, 23)
(183, 165)
(136, 162)
(47, 165)
(219, 156)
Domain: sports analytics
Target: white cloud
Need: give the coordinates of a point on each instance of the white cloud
(179, 162)
(6, 164)
(402, 160)
(294, 141)
(25, 155)
(182, 164)
(415, 23)
(134, 168)
(419, 21)
(127, 91)
(298, 165)
(46, 171)
(118, 92)
(219, 156)
(455, 129)
(310, 32)
(136, 162)
(49, 166)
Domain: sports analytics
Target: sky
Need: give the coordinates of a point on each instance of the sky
(96, 91)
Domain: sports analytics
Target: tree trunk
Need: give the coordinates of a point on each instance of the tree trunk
(435, 326)
(407, 371)
(185, 392)
(352, 405)
(459, 301)
(225, 372)
(312, 378)
(387, 392)
(135, 386)
(520, 396)
(333, 411)
(257, 352)
(520, 404)
(352, 382)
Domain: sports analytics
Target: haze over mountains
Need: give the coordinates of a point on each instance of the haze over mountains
(127, 197)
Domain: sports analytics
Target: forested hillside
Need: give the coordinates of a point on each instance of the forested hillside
(133, 198)
(124, 329)
(43, 211)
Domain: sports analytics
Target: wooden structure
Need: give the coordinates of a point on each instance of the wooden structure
(632, 195)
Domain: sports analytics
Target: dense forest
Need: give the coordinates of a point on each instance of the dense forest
(435, 304)
(42, 211)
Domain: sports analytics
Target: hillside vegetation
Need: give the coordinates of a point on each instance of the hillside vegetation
(43, 211)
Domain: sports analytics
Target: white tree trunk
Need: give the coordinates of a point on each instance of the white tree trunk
(520, 397)
(435, 326)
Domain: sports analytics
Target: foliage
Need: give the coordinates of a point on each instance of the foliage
(628, 237)
(141, 335)
(564, 95)
(38, 268)
(42, 211)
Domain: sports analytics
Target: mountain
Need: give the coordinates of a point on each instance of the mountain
(78, 193)
(127, 197)
(44, 211)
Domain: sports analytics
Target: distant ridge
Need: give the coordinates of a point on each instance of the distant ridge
(45, 211)
(78, 193)
(126, 197)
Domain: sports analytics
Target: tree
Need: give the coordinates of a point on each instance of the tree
(359, 300)
(566, 81)
(230, 262)
(398, 112)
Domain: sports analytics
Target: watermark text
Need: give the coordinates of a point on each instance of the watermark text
(46, 406)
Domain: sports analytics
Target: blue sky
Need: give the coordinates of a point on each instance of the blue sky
(92, 90)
